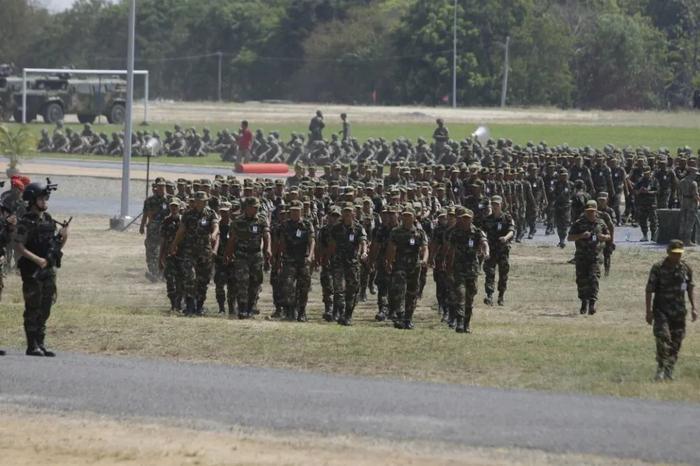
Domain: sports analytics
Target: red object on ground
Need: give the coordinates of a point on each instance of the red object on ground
(271, 168)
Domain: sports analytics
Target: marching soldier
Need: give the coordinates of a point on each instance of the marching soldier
(155, 209)
(171, 265)
(296, 248)
(500, 229)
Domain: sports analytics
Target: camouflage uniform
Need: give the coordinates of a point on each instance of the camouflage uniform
(157, 206)
(646, 206)
(439, 273)
(465, 270)
(248, 262)
(688, 192)
(5, 238)
(346, 268)
(326, 275)
(380, 239)
(197, 256)
(669, 283)
(296, 238)
(172, 267)
(495, 228)
(563, 191)
(224, 285)
(588, 257)
(405, 273)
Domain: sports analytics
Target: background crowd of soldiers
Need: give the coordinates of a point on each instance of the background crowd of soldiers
(371, 231)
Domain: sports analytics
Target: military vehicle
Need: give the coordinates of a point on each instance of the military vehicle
(55, 96)
(9, 85)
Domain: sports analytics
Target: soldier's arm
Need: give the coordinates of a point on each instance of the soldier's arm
(390, 256)
(178, 238)
(310, 249)
(266, 245)
(215, 237)
(230, 244)
(423, 254)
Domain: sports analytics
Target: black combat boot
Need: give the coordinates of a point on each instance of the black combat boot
(584, 306)
(177, 304)
(32, 345)
(231, 309)
(467, 320)
(459, 324)
(328, 312)
(222, 307)
(289, 313)
(189, 306)
(591, 307)
(347, 318)
(301, 315)
(501, 300)
(40, 343)
(488, 300)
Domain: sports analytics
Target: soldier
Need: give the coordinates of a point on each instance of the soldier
(45, 144)
(563, 193)
(8, 222)
(222, 270)
(199, 235)
(171, 266)
(499, 228)
(39, 250)
(669, 281)
(619, 181)
(316, 126)
(297, 243)
(348, 246)
(536, 196)
(645, 193)
(606, 214)
(248, 244)
(345, 132)
(326, 275)
(155, 208)
(441, 135)
(590, 235)
(689, 201)
(436, 260)
(601, 176)
(667, 184)
(377, 259)
(406, 254)
(466, 244)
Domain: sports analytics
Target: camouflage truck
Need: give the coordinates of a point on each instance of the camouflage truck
(9, 85)
(55, 96)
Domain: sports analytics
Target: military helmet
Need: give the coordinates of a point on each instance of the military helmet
(34, 191)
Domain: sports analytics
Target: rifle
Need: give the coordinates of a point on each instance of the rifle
(54, 253)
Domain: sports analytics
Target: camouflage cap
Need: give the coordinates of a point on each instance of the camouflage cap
(335, 211)
(251, 202)
(408, 210)
(348, 206)
(201, 196)
(602, 195)
(675, 246)
(496, 199)
(591, 205)
(175, 201)
(296, 205)
(463, 212)
(225, 206)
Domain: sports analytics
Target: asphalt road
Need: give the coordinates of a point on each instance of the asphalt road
(218, 396)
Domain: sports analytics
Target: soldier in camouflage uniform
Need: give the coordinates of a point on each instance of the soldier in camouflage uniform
(279, 217)
(606, 213)
(171, 266)
(499, 228)
(667, 184)
(669, 281)
(224, 286)
(436, 260)
(377, 259)
(348, 246)
(248, 245)
(590, 235)
(562, 194)
(297, 240)
(406, 254)
(466, 243)
(645, 191)
(155, 208)
(197, 238)
(326, 275)
(689, 198)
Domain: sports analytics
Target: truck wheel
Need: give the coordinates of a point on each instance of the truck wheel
(53, 113)
(117, 114)
(86, 118)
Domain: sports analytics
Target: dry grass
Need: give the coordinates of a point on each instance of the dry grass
(537, 341)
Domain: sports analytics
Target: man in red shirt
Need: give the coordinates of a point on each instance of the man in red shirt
(245, 142)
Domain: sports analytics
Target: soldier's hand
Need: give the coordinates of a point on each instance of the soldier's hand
(503, 240)
(142, 229)
(42, 263)
(173, 250)
(650, 317)
(693, 315)
(12, 219)
(586, 235)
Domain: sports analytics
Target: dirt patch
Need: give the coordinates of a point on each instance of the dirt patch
(81, 440)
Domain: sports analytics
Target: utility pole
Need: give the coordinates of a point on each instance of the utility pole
(221, 56)
(506, 67)
(126, 160)
(454, 58)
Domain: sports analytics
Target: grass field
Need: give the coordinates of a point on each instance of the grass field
(573, 134)
(537, 341)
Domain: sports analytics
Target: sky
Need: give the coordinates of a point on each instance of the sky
(57, 5)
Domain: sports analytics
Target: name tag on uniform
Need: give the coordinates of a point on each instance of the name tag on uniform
(165, 206)
(470, 243)
(351, 238)
(255, 228)
(412, 241)
(566, 190)
(552, 182)
(594, 238)
(203, 222)
(534, 185)
(498, 227)
(299, 233)
(684, 286)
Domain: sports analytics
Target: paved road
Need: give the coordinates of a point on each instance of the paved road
(218, 396)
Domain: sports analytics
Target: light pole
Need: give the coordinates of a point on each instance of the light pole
(126, 160)
(506, 65)
(454, 58)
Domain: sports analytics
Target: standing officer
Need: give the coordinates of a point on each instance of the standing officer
(645, 193)
(296, 247)
(348, 246)
(407, 253)
(590, 234)
(248, 244)
(689, 201)
(155, 209)
(669, 281)
(499, 228)
(171, 266)
(39, 252)
(199, 235)
(466, 243)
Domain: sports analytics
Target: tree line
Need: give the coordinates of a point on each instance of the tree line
(624, 54)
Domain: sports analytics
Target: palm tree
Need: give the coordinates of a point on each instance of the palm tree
(14, 144)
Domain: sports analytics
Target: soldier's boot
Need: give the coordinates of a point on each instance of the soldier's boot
(347, 317)
(584, 306)
(408, 320)
(488, 300)
(467, 321)
(40, 343)
(199, 310)
(501, 300)
(452, 318)
(32, 345)
(668, 372)
(301, 315)
(289, 313)
(645, 237)
(591, 307)
(189, 306)
(178, 303)
(363, 295)
(328, 312)
(222, 306)
(2, 352)
(459, 324)
(660, 374)
(381, 315)
(372, 288)
(607, 270)
(278, 312)
(231, 308)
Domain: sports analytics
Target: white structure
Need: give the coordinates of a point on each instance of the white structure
(29, 71)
